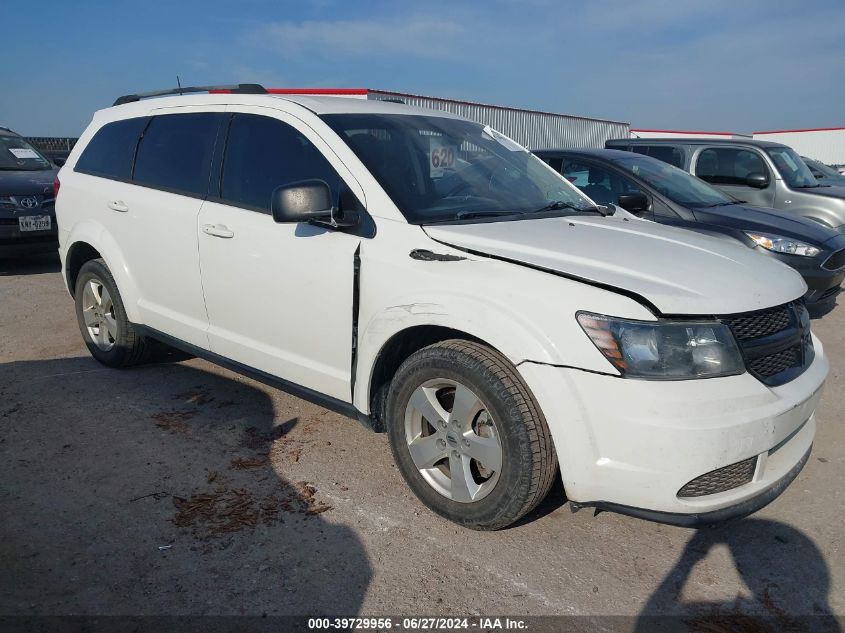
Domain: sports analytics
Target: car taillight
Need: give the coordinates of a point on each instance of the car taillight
(56, 185)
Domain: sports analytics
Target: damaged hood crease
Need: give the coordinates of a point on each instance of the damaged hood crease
(678, 272)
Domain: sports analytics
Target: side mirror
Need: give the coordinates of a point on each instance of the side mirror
(302, 201)
(633, 202)
(59, 162)
(757, 180)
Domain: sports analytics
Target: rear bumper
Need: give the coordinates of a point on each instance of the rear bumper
(631, 445)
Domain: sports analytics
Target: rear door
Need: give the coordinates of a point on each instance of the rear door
(727, 168)
(279, 296)
(152, 176)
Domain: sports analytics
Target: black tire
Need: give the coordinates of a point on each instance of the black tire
(129, 347)
(529, 461)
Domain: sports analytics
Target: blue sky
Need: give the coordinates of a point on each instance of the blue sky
(679, 64)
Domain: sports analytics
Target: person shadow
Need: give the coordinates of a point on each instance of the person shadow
(785, 575)
(163, 490)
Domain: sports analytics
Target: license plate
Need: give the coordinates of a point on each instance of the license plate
(34, 223)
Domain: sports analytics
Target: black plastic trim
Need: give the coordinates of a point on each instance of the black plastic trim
(328, 402)
(701, 519)
(356, 302)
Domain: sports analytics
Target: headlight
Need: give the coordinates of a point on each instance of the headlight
(664, 349)
(783, 245)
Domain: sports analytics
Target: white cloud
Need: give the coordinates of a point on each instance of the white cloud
(415, 36)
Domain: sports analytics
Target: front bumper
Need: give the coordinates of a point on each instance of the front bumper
(631, 445)
(14, 242)
(822, 285)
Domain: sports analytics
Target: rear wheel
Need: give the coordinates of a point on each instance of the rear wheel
(106, 330)
(467, 435)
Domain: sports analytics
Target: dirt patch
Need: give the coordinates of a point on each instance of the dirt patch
(215, 514)
(195, 395)
(174, 421)
(245, 464)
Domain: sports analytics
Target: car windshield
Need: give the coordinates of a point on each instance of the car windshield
(16, 154)
(439, 169)
(674, 183)
(792, 169)
(826, 170)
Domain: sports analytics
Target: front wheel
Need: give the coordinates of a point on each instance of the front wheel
(467, 435)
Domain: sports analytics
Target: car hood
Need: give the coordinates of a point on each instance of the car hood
(828, 191)
(21, 183)
(767, 222)
(679, 272)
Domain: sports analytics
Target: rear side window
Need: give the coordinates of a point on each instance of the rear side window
(667, 154)
(109, 154)
(175, 152)
(264, 153)
(728, 165)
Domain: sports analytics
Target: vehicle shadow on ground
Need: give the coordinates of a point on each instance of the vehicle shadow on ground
(155, 491)
(30, 265)
(786, 579)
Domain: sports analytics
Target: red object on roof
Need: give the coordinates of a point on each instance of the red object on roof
(813, 129)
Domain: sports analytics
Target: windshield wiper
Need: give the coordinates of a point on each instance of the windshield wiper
(466, 215)
(558, 205)
(807, 186)
(724, 204)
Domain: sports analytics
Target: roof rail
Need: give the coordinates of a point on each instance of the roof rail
(244, 89)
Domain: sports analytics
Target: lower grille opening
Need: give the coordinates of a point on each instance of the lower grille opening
(721, 479)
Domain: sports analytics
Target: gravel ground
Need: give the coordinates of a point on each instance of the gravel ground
(181, 488)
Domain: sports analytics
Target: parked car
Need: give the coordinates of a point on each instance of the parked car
(825, 174)
(657, 191)
(761, 173)
(429, 276)
(27, 213)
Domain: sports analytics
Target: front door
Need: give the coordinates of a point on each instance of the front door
(728, 168)
(279, 296)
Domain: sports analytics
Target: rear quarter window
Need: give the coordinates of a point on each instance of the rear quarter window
(175, 152)
(110, 152)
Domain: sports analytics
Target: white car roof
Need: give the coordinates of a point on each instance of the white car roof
(316, 104)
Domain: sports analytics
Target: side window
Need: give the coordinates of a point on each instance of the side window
(264, 153)
(554, 163)
(175, 152)
(602, 185)
(728, 165)
(668, 154)
(109, 154)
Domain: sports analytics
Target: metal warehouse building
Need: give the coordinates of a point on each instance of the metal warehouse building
(533, 128)
(823, 144)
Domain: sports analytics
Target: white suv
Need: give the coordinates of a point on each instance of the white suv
(430, 277)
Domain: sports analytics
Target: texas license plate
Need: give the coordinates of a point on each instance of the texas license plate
(34, 223)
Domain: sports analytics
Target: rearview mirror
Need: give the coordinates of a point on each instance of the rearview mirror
(302, 201)
(757, 180)
(633, 202)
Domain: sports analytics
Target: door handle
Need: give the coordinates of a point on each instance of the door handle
(217, 230)
(118, 205)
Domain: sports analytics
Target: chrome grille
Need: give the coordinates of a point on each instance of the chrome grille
(721, 479)
(775, 342)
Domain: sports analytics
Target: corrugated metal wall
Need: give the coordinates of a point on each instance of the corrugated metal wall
(533, 129)
(827, 146)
